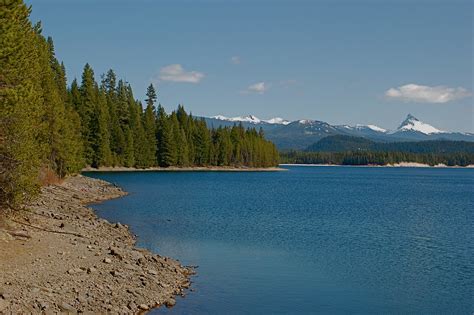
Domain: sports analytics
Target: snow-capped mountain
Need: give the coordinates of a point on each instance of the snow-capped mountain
(277, 121)
(371, 127)
(363, 127)
(300, 134)
(253, 120)
(411, 123)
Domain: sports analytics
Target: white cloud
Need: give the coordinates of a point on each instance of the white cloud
(235, 60)
(259, 88)
(427, 94)
(176, 73)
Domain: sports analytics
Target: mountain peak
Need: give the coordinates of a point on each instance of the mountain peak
(411, 117)
(253, 119)
(411, 123)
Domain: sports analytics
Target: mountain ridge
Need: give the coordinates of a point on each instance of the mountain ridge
(299, 134)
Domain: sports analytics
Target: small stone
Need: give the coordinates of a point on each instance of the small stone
(107, 260)
(74, 271)
(64, 307)
(170, 302)
(43, 305)
(114, 251)
(115, 273)
(4, 295)
(91, 270)
(132, 306)
(152, 272)
(144, 307)
(81, 299)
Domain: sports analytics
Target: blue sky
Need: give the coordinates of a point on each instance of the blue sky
(336, 61)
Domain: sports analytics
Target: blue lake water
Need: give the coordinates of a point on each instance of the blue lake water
(309, 240)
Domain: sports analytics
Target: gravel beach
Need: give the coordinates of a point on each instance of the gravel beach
(56, 255)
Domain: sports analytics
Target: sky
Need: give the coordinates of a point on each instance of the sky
(343, 62)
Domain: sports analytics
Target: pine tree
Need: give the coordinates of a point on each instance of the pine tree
(86, 109)
(151, 95)
(201, 144)
(182, 154)
(101, 140)
(138, 132)
(20, 104)
(117, 137)
(62, 146)
(128, 157)
(149, 125)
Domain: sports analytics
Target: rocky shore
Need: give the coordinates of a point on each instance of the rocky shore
(56, 256)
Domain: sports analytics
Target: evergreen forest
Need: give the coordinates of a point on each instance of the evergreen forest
(49, 129)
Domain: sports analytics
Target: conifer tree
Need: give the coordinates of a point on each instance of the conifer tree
(101, 141)
(167, 150)
(20, 104)
(149, 125)
(117, 137)
(128, 156)
(86, 109)
(201, 144)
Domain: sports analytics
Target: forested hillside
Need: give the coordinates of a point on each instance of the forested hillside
(48, 129)
(349, 150)
(342, 143)
(376, 158)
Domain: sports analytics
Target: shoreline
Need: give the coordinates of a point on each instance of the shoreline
(59, 256)
(402, 164)
(184, 169)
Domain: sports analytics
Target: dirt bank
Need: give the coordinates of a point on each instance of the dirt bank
(57, 255)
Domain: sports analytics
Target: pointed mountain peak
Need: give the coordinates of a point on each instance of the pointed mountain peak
(411, 123)
(411, 117)
(408, 120)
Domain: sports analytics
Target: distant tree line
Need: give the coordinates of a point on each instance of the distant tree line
(343, 143)
(50, 129)
(376, 158)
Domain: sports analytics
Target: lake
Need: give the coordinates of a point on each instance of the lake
(311, 239)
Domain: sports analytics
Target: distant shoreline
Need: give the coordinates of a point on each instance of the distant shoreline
(402, 164)
(184, 169)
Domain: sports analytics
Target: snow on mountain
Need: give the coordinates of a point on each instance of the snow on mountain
(374, 128)
(411, 123)
(253, 120)
(277, 121)
(363, 127)
(306, 121)
(220, 117)
(248, 118)
(299, 134)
